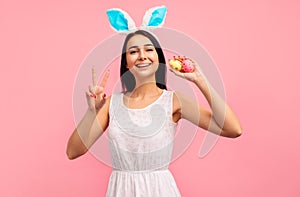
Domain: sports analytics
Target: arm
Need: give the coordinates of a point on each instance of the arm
(90, 128)
(220, 119)
(94, 122)
(221, 114)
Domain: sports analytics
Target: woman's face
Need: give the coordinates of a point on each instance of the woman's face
(141, 56)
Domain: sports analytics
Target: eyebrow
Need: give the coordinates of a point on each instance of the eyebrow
(137, 46)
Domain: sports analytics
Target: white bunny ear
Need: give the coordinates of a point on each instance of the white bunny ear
(155, 17)
(120, 20)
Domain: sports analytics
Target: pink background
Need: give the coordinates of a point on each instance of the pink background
(255, 44)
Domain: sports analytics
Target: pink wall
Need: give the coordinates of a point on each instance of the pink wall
(255, 44)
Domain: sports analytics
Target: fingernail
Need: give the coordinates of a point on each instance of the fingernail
(104, 95)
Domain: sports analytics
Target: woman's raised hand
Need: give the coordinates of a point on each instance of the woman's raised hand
(194, 76)
(95, 95)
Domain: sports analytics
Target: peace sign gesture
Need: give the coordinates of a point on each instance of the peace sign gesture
(95, 95)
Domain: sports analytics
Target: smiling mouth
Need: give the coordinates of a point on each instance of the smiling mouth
(143, 65)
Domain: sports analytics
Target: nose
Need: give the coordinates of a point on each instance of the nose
(142, 55)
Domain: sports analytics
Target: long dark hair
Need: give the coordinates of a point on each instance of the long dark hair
(127, 79)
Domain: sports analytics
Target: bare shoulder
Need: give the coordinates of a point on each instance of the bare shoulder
(181, 101)
(176, 101)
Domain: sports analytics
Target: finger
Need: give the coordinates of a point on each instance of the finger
(88, 94)
(91, 89)
(176, 72)
(105, 78)
(94, 78)
(98, 90)
(194, 62)
(91, 102)
(101, 96)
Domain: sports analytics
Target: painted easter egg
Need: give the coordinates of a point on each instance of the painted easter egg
(175, 64)
(187, 66)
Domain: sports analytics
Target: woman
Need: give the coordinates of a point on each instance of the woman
(142, 120)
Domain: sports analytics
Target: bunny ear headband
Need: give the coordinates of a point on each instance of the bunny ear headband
(120, 20)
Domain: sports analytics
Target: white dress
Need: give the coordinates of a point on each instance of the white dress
(141, 144)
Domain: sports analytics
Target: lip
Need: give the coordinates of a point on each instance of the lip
(143, 65)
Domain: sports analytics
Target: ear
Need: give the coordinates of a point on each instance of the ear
(155, 17)
(120, 20)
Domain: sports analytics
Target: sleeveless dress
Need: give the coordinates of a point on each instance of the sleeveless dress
(141, 144)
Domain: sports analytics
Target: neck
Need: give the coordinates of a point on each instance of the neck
(150, 89)
(144, 80)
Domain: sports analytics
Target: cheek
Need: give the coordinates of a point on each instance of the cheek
(129, 67)
(155, 56)
(156, 59)
(129, 63)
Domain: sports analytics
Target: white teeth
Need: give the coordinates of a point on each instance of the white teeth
(143, 65)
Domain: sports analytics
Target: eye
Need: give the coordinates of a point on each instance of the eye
(150, 49)
(132, 52)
